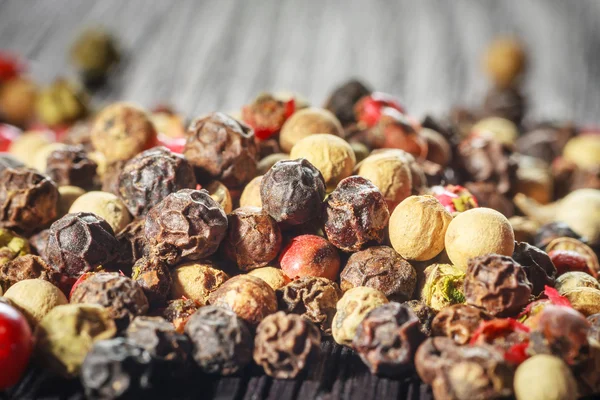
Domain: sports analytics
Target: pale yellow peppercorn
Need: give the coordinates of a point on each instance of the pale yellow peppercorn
(35, 298)
(106, 206)
(351, 309)
(273, 276)
(196, 281)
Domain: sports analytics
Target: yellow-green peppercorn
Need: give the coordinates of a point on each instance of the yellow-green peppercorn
(443, 286)
(61, 102)
(95, 53)
(12, 246)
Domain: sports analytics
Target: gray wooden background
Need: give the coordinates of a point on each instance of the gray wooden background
(206, 55)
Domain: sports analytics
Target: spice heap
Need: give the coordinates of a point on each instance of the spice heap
(462, 248)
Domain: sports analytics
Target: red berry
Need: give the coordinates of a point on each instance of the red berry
(310, 255)
(16, 345)
(10, 67)
(369, 109)
(567, 260)
(8, 134)
(174, 144)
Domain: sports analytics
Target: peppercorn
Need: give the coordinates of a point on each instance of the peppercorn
(29, 266)
(151, 176)
(179, 311)
(350, 311)
(110, 175)
(37, 243)
(488, 196)
(266, 114)
(577, 246)
(454, 198)
(313, 298)
(253, 238)
(61, 103)
(496, 128)
(104, 205)
(249, 297)
(12, 246)
(71, 166)
(122, 297)
(380, 268)
(28, 200)
(196, 281)
(586, 300)
(443, 286)
(575, 279)
(458, 322)
(538, 267)
(438, 147)
(310, 255)
(17, 100)
(222, 342)
(154, 278)
(505, 60)
(67, 196)
(285, 345)
(508, 103)
(342, 100)
(551, 231)
(79, 243)
(306, 122)
(95, 53)
(117, 368)
(477, 232)
(544, 377)
(35, 298)
(356, 215)
(274, 277)
(394, 130)
(66, 334)
(220, 147)
(186, 225)
(122, 130)
(424, 313)
(583, 151)
(133, 243)
(251, 194)
(8, 161)
(292, 191)
(221, 195)
(524, 228)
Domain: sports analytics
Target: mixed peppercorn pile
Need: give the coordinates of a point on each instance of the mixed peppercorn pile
(135, 252)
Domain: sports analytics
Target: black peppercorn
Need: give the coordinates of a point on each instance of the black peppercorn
(71, 165)
(133, 244)
(342, 100)
(538, 266)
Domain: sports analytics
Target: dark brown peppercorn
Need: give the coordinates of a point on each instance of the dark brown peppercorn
(251, 298)
(429, 358)
(38, 243)
(151, 176)
(553, 230)
(424, 313)
(497, 284)
(79, 243)
(179, 311)
(154, 278)
(186, 225)
(538, 266)
(285, 345)
(222, 341)
(458, 322)
(387, 339)
(487, 195)
(253, 238)
(133, 244)
(221, 148)
(71, 166)
(356, 214)
(546, 140)
(159, 338)
(380, 268)
(28, 200)
(110, 178)
(506, 103)
(292, 192)
(121, 296)
(30, 267)
(313, 298)
(344, 97)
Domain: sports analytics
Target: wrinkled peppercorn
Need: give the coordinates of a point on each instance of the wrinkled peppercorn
(71, 166)
(381, 268)
(253, 238)
(285, 344)
(121, 296)
(292, 191)
(342, 100)
(12, 246)
(222, 341)
(154, 278)
(266, 115)
(110, 177)
(458, 322)
(79, 243)
(186, 225)
(151, 176)
(442, 286)
(497, 284)
(179, 311)
(219, 147)
(117, 368)
(356, 214)
(28, 200)
(251, 298)
(538, 266)
(29, 267)
(133, 243)
(38, 243)
(196, 281)
(425, 314)
(387, 339)
(313, 298)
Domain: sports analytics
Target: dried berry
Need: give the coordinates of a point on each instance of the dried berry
(222, 341)
(219, 147)
(95, 53)
(12, 246)
(110, 176)
(551, 231)
(28, 200)
(454, 198)
(37, 242)
(292, 192)
(274, 277)
(117, 368)
(306, 122)
(577, 246)
(539, 268)
(310, 255)
(356, 214)
(394, 130)
(151, 176)
(29, 267)
(443, 286)
(251, 194)
(79, 243)
(221, 195)
(35, 298)
(133, 243)
(387, 339)
(505, 60)
(122, 297)
(61, 103)
(380, 268)
(313, 298)
(545, 377)
(179, 311)
(67, 196)
(350, 311)
(285, 344)
(67, 333)
(253, 238)
(71, 166)
(342, 100)
(121, 130)
(104, 205)
(458, 322)
(488, 196)
(575, 279)
(196, 281)
(248, 296)
(154, 278)
(425, 314)
(586, 300)
(266, 114)
(495, 128)
(497, 284)
(186, 225)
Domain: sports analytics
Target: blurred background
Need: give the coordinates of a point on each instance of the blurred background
(200, 56)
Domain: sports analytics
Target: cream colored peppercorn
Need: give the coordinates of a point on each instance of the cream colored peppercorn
(583, 151)
(499, 129)
(68, 195)
(586, 300)
(251, 194)
(35, 298)
(273, 276)
(221, 195)
(575, 279)
(351, 309)
(307, 122)
(196, 281)
(105, 205)
(545, 377)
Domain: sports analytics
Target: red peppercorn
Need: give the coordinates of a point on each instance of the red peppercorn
(15, 345)
(10, 66)
(310, 255)
(568, 260)
(8, 134)
(369, 109)
(174, 144)
(455, 198)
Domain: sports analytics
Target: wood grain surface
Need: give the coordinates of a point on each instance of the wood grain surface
(202, 56)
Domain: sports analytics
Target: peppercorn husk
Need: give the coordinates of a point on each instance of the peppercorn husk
(66, 334)
(443, 286)
(179, 311)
